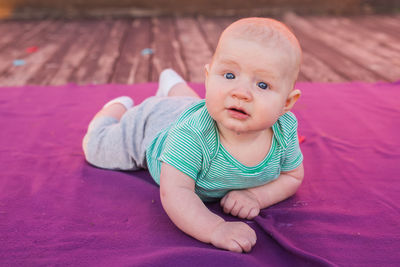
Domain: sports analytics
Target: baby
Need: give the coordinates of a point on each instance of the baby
(239, 145)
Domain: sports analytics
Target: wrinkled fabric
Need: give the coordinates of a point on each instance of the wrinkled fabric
(56, 209)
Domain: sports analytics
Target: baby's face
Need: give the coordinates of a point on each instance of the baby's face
(247, 84)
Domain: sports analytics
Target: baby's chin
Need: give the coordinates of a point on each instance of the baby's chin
(240, 129)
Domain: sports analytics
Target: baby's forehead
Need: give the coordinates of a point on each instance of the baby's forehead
(231, 49)
(276, 46)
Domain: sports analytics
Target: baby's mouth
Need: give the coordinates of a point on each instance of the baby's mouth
(238, 110)
(238, 113)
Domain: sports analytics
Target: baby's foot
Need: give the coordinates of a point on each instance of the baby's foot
(168, 79)
(124, 100)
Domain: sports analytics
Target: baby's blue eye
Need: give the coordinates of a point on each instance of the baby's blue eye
(229, 76)
(263, 85)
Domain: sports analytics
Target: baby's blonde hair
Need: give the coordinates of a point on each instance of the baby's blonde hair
(261, 29)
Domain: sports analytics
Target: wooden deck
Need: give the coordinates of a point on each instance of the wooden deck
(336, 49)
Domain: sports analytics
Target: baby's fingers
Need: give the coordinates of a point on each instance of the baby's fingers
(244, 213)
(244, 244)
(228, 205)
(237, 209)
(246, 241)
(234, 236)
(253, 213)
(222, 202)
(234, 246)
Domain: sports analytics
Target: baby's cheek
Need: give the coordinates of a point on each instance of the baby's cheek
(211, 107)
(272, 114)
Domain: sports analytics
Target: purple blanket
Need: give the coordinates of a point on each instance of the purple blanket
(56, 209)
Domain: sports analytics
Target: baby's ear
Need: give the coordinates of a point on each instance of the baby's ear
(291, 100)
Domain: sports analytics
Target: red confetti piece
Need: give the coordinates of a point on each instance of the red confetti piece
(302, 138)
(31, 49)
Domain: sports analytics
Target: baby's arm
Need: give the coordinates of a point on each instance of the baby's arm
(248, 202)
(189, 214)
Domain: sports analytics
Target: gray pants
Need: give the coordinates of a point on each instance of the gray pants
(121, 145)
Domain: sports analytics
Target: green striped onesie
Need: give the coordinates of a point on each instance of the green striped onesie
(192, 146)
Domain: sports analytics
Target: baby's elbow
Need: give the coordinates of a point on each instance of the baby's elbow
(297, 174)
(163, 193)
(168, 194)
(300, 173)
(166, 190)
(169, 200)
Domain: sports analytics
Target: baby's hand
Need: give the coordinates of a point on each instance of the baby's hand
(234, 236)
(241, 203)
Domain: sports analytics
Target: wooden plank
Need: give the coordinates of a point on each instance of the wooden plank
(339, 64)
(23, 31)
(313, 69)
(364, 61)
(195, 49)
(48, 43)
(355, 52)
(132, 66)
(302, 77)
(336, 61)
(30, 36)
(394, 20)
(375, 25)
(335, 49)
(16, 49)
(52, 65)
(343, 28)
(11, 31)
(74, 55)
(389, 22)
(88, 67)
(378, 36)
(212, 29)
(110, 53)
(166, 47)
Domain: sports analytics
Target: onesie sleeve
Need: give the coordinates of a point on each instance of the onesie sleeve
(183, 151)
(292, 157)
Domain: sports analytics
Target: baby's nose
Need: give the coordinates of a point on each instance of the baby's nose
(242, 93)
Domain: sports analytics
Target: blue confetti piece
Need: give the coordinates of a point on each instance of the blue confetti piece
(147, 51)
(19, 62)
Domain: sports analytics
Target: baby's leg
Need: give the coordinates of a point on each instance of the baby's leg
(104, 144)
(182, 89)
(115, 108)
(172, 84)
